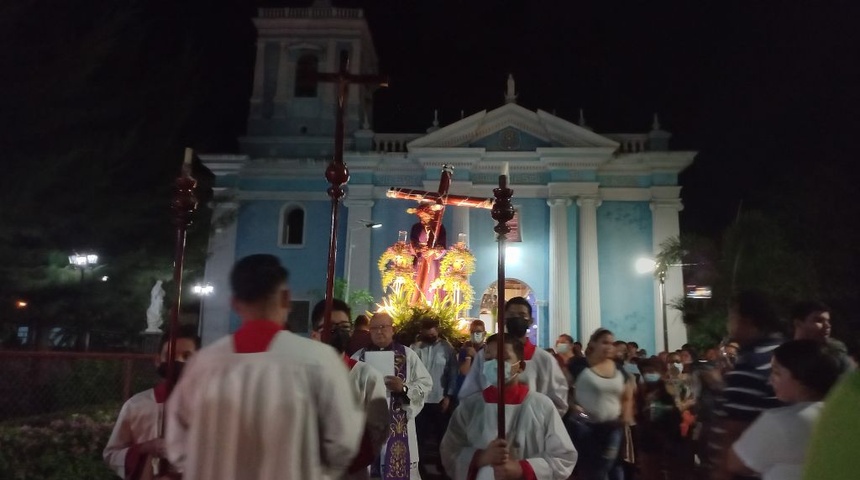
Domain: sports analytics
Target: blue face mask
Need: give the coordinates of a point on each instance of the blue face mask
(491, 372)
(651, 377)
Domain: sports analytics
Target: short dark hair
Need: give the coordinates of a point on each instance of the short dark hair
(566, 337)
(620, 342)
(757, 307)
(519, 301)
(337, 305)
(255, 277)
(429, 323)
(185, 331)
(519, 346)
(633, 344)
(362, 321)
(801, 310)
(476, 323)
(815, 365)
(578, 343)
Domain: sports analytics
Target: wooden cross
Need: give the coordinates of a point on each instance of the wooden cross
(337, 172)
(440, 199)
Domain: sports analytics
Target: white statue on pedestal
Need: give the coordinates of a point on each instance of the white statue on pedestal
(156, 305)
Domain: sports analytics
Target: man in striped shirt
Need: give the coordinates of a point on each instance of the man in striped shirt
(755, 326)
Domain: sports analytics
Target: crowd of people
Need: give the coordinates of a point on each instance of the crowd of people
(356, 402)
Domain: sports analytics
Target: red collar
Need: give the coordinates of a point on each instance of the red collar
(514, 394)
(161, 392)
(349, 362)
(254, 336)
(528, 349)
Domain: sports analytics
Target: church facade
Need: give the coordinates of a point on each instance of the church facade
(588, 204)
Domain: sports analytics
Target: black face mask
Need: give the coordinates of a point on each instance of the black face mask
(177, 370)
(517, 326)
(340, 336)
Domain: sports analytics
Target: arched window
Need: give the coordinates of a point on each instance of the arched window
(306, 72)
(292, 226)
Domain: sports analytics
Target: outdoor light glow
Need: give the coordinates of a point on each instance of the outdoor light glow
(203, 290)
(21, 304)
(645, 265)
(513, 254)
(83, 260)
(105, 278)
(374, 225)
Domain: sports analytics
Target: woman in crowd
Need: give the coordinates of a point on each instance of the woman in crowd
(604, 406)
(774, 446)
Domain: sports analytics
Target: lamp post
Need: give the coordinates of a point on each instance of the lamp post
(82, 261)
(647, 265)
(364, 224)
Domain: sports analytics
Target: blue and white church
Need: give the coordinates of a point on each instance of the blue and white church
(588, 204)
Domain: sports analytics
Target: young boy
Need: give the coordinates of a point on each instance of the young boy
(135, 436)
(536, 444)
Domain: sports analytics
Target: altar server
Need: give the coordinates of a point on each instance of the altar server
(263, 403)
(536, 444)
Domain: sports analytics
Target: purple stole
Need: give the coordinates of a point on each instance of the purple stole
(397, 463)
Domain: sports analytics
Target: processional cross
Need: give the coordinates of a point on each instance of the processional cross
(438, 201)
(502, 212)
(337, 172)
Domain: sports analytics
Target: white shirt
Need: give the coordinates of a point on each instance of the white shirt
(289, 412)
(775, 444)
(534, 431)
(600, 397)
(137, 422)
(419, 383)
(370, 386)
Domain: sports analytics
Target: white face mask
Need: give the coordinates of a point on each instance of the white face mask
(491, 372)
(679, 366)
(478, 337)
(562, 348)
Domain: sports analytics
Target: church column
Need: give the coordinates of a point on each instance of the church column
(215, 311)
(664, 216)
(589, 273)
(357, 259)
(461, 224)
(259, 72)
(559, 276)
(282, 85)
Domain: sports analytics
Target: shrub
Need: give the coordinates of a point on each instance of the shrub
(57, 447)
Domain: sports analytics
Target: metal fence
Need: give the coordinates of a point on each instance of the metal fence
(35, 383)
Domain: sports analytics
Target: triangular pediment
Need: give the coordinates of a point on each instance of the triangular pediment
(512, 127)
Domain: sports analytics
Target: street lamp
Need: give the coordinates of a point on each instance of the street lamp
(369, 224)
(82, 261)
(203, 290)
(646, 265)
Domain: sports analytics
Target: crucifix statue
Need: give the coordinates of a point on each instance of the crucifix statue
(428, 237)
(337, 172)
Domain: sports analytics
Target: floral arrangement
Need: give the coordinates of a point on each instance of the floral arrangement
(57, 447)
(398, 281)
(395, 265)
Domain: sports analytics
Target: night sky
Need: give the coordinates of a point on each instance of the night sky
(766, 91)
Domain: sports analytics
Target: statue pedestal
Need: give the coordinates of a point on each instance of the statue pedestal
(151, 341)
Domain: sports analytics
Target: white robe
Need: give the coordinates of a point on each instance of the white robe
(370, 386)
(282, 413)
(419, 383)
(534, 432)
(542, 375)
(137, 422)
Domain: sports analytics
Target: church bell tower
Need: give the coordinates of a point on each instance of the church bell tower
(293, 44)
